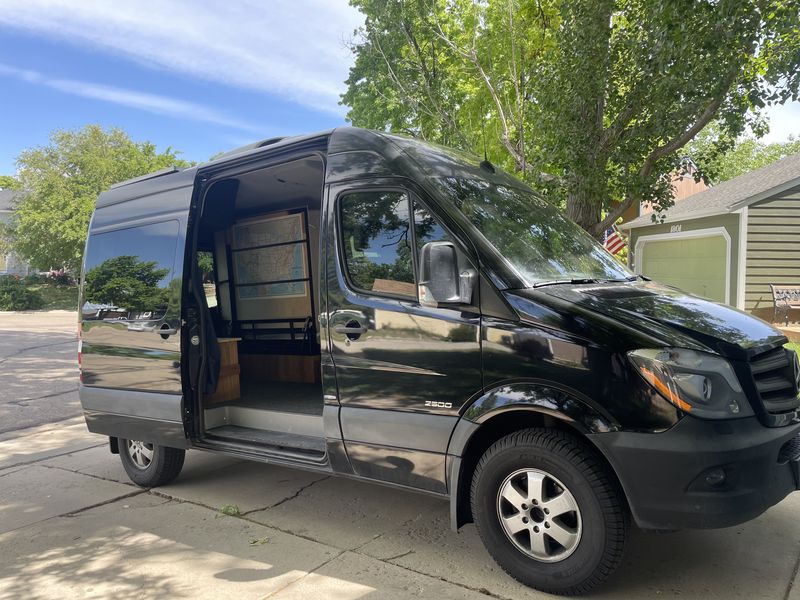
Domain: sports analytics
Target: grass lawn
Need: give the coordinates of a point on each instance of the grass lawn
(794, 346)
(58, 297)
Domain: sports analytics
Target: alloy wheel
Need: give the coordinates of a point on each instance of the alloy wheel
(141, 453)
(539, 515)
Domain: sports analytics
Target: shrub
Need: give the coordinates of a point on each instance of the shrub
(35, 279)
(60, 277)
(15, 296)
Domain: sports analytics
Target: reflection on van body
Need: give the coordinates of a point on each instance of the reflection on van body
(137, 295)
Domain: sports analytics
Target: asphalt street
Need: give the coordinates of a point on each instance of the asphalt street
(38, 363)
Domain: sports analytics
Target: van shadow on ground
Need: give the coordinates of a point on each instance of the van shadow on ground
(305, 535)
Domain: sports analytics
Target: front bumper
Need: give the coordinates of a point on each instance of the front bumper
(665, 475)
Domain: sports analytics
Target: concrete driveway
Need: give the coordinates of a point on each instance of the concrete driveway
(72, 526)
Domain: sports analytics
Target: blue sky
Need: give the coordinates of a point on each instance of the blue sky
(201, 77)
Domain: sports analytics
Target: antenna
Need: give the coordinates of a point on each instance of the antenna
(485, 164)
(483, 132)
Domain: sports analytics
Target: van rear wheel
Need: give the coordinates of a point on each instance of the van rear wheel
(150, 465)
(548, 512)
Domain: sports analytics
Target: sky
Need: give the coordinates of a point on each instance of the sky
(197, 76)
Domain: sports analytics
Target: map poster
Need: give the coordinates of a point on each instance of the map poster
(264, 232)
(266, 271)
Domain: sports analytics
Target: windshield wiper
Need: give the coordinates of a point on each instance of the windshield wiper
(623, 279)
(565, 282)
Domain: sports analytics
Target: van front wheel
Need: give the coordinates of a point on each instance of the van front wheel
(548, 512)
(150, 465)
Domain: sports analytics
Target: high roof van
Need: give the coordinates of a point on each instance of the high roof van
(371, 306)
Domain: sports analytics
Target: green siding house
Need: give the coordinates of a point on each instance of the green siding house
(729, 242)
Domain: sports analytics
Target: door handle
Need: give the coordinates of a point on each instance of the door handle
(165, 331)
(352, 329)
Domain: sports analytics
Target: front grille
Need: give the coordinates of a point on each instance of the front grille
(774, 377)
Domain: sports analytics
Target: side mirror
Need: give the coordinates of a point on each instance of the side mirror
(442, 279)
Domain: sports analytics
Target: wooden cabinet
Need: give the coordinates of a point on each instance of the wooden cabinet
(228, 388)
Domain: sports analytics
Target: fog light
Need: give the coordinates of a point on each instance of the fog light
(715, 477)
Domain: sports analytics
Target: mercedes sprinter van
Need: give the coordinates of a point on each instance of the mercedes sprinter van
(371, 306)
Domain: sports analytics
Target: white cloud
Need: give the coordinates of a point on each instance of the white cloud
(292, 49)
(153, 103)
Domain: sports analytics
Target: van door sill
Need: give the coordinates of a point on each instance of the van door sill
(299, 446)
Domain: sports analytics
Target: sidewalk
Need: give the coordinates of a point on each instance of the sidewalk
(71, 526)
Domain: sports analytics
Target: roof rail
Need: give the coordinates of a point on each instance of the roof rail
(159, 173)
(253, 146)
(270, 141)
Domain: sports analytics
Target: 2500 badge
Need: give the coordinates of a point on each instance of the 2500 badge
(433, 404)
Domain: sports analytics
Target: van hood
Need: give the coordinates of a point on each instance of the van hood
(662, 313)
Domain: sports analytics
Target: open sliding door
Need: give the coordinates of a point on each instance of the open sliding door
(131, 327)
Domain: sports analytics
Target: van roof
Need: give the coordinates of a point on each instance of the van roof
(358, 152)
(273, 142)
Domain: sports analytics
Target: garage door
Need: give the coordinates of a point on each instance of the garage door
(695, 265)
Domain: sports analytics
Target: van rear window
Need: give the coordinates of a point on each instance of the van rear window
(128, 273)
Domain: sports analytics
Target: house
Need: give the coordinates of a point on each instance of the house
(10, 263)
(729, 242)
(685, 183)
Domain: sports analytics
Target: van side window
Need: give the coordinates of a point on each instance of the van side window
(376, 239)
(426, 228)
(128, 273)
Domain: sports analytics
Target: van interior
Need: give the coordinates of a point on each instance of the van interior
(257, 247)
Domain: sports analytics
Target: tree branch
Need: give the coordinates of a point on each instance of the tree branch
(472, 56)
(613, 215)
(665, 150)
(427, 79)
(399, 84)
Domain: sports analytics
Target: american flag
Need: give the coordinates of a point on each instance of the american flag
(613, 241)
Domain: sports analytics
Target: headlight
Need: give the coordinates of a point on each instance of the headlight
(696, 382)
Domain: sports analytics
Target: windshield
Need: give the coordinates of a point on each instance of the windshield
(533, 238)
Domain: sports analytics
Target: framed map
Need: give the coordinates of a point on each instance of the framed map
(270, 258)
(272, 230)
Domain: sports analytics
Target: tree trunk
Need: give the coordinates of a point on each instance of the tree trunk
(585, 200)
(584, 207)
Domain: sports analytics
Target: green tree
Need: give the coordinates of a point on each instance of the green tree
(591, 101)
(126, 282)
(62, 181)
(740, 156)
(9, 182)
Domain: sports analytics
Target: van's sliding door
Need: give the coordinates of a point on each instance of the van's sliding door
(131, 311)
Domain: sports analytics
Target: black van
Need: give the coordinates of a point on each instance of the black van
(368, 305)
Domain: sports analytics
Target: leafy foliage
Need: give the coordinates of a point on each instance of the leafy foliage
(739, 156)
(126, 282)
(60, 277)
(205, 262)
(7, 182)
(231, 510)
(14, 295)
(62, 181)
(590, 101)
(58, 297)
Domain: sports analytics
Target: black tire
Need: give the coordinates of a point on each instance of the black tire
(161, 467)
(599, 523)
